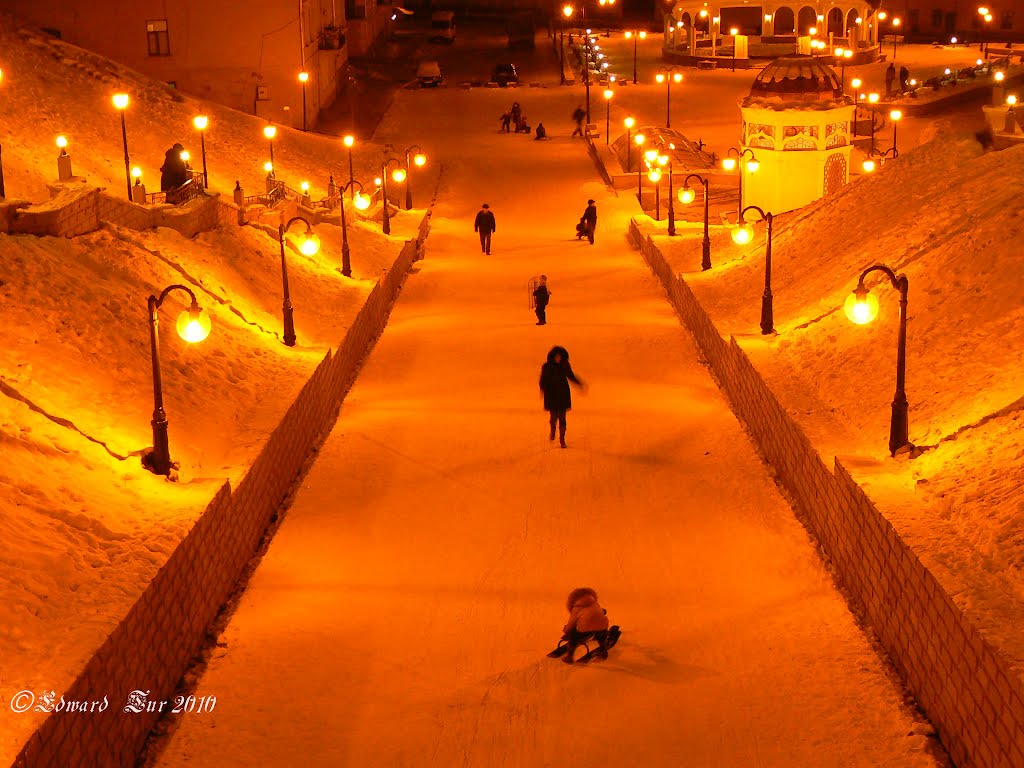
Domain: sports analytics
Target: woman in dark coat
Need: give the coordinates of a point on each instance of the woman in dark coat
(555, 376)
(173, 172)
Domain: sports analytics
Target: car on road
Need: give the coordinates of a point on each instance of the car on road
(504, 74)
(428, 73)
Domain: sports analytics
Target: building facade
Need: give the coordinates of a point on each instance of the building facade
(940, 20)
(245, 55)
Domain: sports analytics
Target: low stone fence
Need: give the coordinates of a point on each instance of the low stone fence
(966, 687)
(151, 648)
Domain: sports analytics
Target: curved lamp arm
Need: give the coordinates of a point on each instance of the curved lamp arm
(155, 302)
(764, 216)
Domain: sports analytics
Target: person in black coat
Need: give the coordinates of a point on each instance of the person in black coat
(555, 376)
(173, 172)
(541, 296)
(589, 220)
(485, 225)
(890, 78)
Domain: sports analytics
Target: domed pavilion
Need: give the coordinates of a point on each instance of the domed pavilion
(796, 121)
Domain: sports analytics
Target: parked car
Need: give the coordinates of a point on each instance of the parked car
(429, 74)
(504, 74)
(442, 26)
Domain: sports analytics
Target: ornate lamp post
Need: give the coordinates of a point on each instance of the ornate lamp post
(348, 141)
(419, 160)
(398, 175)
(668, 75)
(608, 94)
(121, 104)
(687, 196)
(629, 122)
(742, 234)
(855, 83)
(303, 78)
(361, 202)
(566, 14)
(636, 35)
(733, 31)
(895, 28)
(269, 132)
(201, 122)
(639, 139)
(872, 99)
(193, 326)
(730, 162)
(308, 246)
(869, 164)
(895, 115)
(862, 307)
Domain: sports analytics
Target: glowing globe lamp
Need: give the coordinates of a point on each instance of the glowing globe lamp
(309, 244)
(269, 131)
(419, 159)
(121, 100)
(742, 234)
(729, 163)
(686, 195)
(349, 140)
(200, 122)
(361, 201)
(193, 325)
(861, 306)
(868, 166)
(398, 175)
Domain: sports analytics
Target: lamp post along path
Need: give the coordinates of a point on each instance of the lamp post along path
(686, 196)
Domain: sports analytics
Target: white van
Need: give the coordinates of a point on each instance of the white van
(442, 26)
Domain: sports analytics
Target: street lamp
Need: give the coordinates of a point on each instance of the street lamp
(730, 163)
(419, 160)
(895, 28)
(629, 122)
(687, 196)
(309, 244)
(862, 307)
(121, 104)
(733, 31)
(856, 83)
(842, 54)
(269, 132)
(348, 141)
(655, 159)
(872, 99)
(636, 35)
(303, 78)
(201, 122)
(566, 14)
(668, 75)
(193, 326)
(361, 202)
(608, 93)
(639, 139)
(399, 175)
(742, 234)
(895, 116)
(869, 165)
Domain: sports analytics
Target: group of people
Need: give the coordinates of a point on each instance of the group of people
(890, 80)
(515, 117)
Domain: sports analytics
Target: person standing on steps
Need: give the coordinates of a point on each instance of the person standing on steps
(541, 296)
(555, 376)
(484, 224)
(589, 220)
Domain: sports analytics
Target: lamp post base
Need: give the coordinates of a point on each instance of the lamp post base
(346, 262)
(767, 319)
(899, 427)
(289, 324)
(158, 461)
(705, 261)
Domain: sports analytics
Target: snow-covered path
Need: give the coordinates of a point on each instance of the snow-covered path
(401, 614)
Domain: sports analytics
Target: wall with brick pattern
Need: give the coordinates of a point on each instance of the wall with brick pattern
(152, 646)
(966, 687)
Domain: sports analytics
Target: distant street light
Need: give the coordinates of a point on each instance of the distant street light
(309, 245)
(566, 14)
(639, 139)
(361, 202)
(629, 122)
(687, 196)
(895, 116)
(201, 122)
(636, 35)
(668, 75)
(193, 326)
(348, 141)
(855, 83)
(730, 163)
(121, 104)
(872, 99)
(608, 94)
(742, 234)
(861, 307)
(895, 28)
(733, 31)
(303, 78)
(419, 160)
(269, 132)
(399, 176)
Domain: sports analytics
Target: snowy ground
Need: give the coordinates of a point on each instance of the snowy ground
(948, 216)
(402, 612)
(82, 525)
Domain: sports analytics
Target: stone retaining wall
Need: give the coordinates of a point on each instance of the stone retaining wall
(966, 687)
(151, 648)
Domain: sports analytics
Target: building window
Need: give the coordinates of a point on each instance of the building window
(936, 18)
(1007, 20)
(156, 37)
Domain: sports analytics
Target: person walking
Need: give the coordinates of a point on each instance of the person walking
(485, 225)
(173, 173)
(589, 220)
(555, 376)
(890, 78)
(904, 79)
(541, 297)
(579, 116)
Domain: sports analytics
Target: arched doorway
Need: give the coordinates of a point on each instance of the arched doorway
(701, 23)
(785, 21)
(834, 25)
(851, 25)
(808, 18)
(685, 18)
